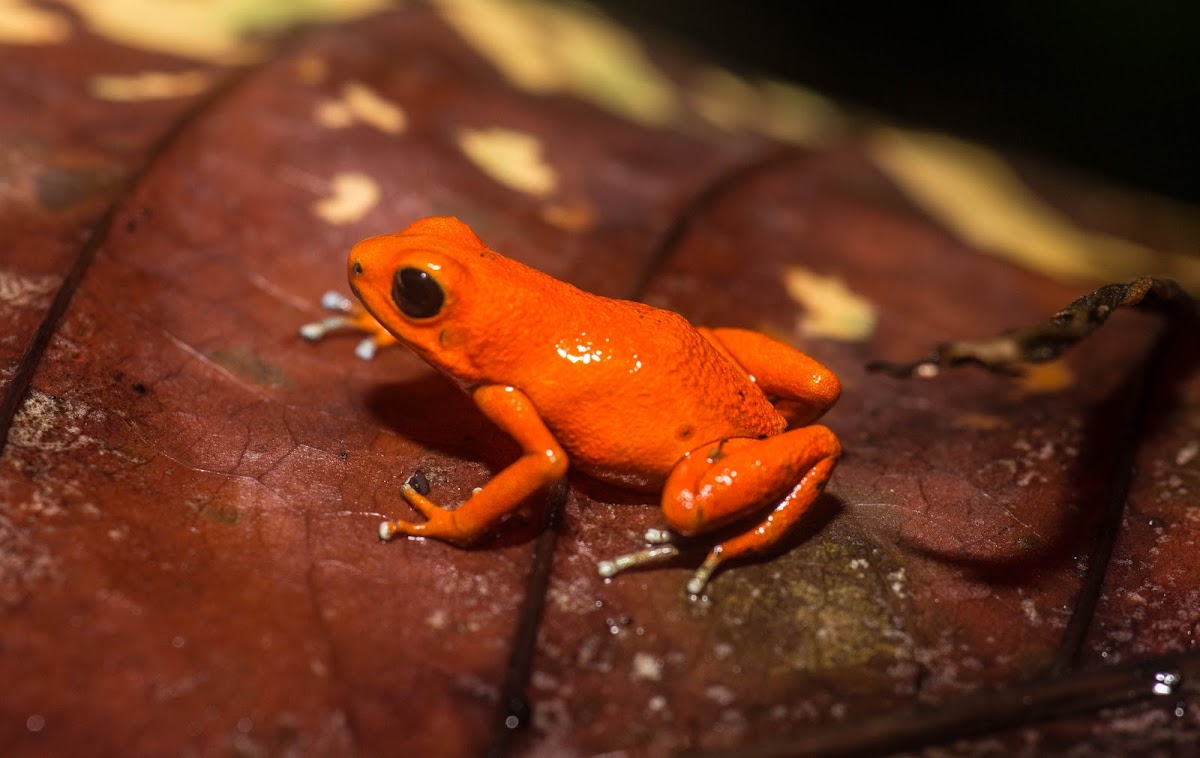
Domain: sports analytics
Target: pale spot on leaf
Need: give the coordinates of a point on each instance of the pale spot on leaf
(777, 109)
(571, 217)
(723, 99)
(361, 103)
(646, 667)
(831, 310)
(354, 194)
(798, 115)
(149, 85)
(549, 48)
(21, 291)
(983, 422)
(333, 114)
(212, 31)
(1187, 453)
(511, 157)
(1044, 378)
(23, 23)
(312, 69)
(975, 193)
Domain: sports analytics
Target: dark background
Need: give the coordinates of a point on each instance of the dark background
(1110, 88)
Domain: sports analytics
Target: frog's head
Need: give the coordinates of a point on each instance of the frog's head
(419, 284)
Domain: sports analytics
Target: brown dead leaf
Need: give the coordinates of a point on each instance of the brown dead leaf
(189, 494)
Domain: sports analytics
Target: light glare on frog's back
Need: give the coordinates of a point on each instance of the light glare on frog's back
(583, 351)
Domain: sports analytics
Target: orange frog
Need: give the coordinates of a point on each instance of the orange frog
(628, 393)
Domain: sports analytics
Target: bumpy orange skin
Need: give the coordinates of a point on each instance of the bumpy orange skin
(626, 392)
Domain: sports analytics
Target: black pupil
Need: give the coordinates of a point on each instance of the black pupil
(417, 293)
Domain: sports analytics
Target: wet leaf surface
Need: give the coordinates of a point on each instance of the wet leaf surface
(189, 494)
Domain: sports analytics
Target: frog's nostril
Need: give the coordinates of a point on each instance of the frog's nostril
(357, 268)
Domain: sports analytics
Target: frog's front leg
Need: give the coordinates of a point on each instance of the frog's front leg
(352, 318)
(725, 482)
(542, 463)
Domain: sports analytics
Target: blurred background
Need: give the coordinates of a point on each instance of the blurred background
(1109, 88)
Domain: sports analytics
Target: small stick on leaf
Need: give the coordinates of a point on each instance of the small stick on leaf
(1005, 353)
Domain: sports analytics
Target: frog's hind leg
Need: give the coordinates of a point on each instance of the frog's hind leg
(726, 482)
(802, 387)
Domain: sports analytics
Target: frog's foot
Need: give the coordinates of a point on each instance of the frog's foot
(352, 318)
(663, 551)
(439, 523)
(389, 529)
(698, 497)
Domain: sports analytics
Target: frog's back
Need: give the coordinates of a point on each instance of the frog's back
(629, 389)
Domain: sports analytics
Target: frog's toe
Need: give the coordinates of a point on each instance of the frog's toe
(424, 505)
(387, 530)
(659, 536)
(336, 301)
(367, 348)
(699, 580)
(350, 318)
(376, 340)
(315, 330)
(613, 567)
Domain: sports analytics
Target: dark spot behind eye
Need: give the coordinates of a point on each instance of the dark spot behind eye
(416, 293)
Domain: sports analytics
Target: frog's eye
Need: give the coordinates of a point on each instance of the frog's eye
(417, 293)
